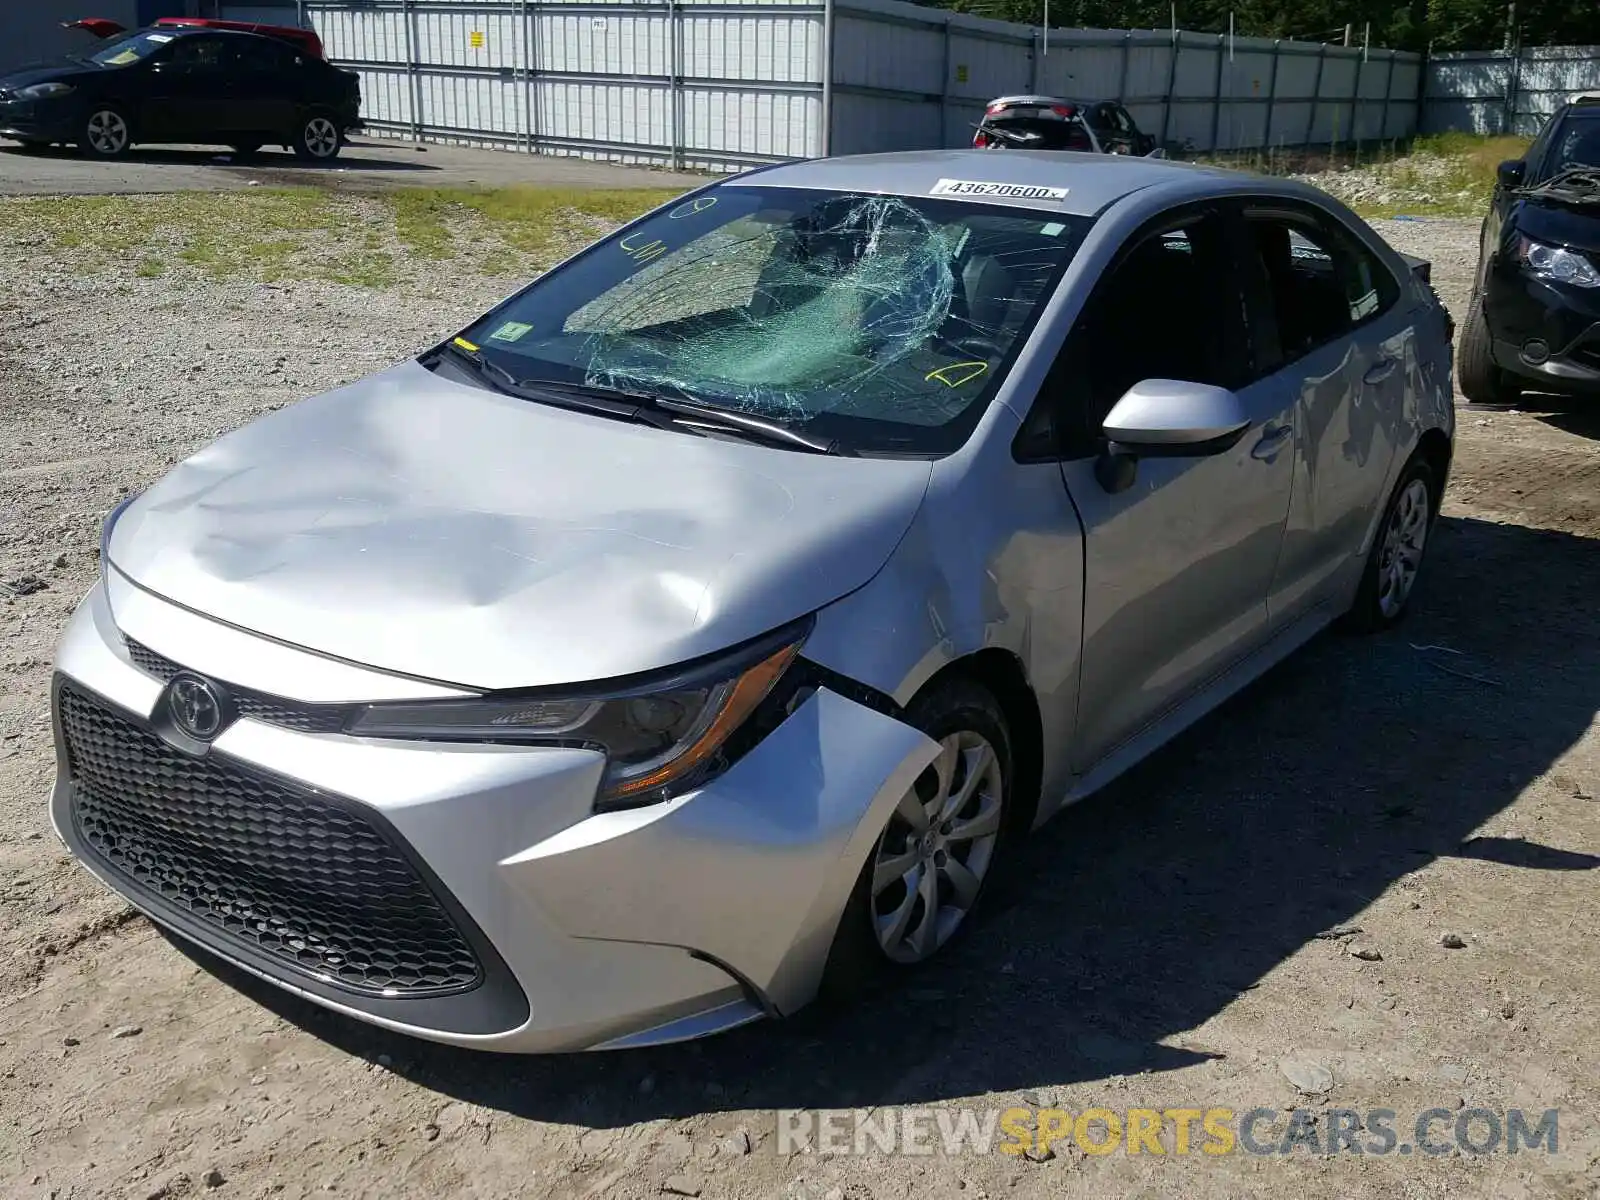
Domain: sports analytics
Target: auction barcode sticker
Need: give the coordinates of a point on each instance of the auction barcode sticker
(1014, 191)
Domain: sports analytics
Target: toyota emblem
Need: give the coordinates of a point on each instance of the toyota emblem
(196, 707)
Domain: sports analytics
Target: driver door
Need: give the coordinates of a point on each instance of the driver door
(186, 92)
(1177, 566)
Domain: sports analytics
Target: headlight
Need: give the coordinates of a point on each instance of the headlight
(44, 91)
(658, 737)
(1556, 264)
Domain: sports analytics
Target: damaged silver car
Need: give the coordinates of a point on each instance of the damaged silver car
(699, 631)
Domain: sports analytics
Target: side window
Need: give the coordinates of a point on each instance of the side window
(1169, 308)
(1321, 282)
(259, 54)
(1123, 121)
(198, 53)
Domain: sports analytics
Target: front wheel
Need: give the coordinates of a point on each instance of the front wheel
(106, 133)
(1481, 381)
(941, 845)
(1396, 557)
(318, 139)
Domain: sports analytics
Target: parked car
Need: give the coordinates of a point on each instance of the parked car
(305, 41)
(181, 84)
(1533, 321)
(700, 629)
(1052, 123)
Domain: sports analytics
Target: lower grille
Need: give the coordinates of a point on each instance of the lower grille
(306, 882)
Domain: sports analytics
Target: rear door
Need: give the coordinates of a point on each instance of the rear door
(1177, 566)
(264, 84)
(1342, 349)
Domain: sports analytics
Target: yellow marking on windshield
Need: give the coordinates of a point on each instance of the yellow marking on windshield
(956, 374)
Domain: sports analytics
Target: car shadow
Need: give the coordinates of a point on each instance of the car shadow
(1141, 913)
(354, 157)
(1577, 415)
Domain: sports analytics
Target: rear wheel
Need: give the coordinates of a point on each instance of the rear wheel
(1481, 381)
(319, 139)
(106, 133)
(930, 866)
(1396, 557)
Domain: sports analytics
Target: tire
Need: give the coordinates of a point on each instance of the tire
(107, 132)
(318, 138)
(1395, 561)
(1481, 381)
(884, 931)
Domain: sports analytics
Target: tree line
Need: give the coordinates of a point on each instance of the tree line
(1395, 24)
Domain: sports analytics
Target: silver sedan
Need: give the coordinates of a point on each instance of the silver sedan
(698, 632)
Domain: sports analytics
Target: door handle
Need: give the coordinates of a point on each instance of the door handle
(1273, 438)
(1379, 371)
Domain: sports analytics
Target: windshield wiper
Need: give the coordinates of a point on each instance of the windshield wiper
(625, 407)
(1585, 178)
(724, 420)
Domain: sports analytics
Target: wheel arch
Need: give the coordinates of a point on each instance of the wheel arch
(1435, 449)
(1001, 673)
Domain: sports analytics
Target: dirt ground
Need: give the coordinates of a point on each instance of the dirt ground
(1169, 943)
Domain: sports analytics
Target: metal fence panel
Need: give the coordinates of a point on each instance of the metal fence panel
(726, 83)
(1505, 92)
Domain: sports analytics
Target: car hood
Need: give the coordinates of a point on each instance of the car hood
(438, 530)
(61, 70)
(1546, 219)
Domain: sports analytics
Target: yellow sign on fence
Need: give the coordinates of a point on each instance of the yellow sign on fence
(476, 38)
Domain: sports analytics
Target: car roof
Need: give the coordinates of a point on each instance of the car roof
(1093, 181)
(1036, 99)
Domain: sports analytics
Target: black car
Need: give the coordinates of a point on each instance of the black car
(243, 90)
(1534, 319)
(1055, 123)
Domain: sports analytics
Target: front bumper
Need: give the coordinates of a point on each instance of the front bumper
(594, 931)
(1545, 334)
(38, 121)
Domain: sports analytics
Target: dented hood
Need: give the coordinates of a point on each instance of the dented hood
(438, 530)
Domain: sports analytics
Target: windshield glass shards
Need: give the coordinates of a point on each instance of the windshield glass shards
(878, 323)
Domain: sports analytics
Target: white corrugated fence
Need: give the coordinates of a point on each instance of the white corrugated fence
(708, 83)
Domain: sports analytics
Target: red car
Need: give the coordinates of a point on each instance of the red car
(304, 40)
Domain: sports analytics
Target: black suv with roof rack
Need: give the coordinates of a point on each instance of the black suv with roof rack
(1533, 322)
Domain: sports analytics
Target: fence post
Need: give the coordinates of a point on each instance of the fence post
(1388, 89)
(1122, 74)
(1514, 87)
(674, 88)
(527, 77)
(827, 77)
(1316, 93)
(944, 87)
(1216, 91)
(1355, 105)
(1172, 82)
(1272, 93)
(408, 17)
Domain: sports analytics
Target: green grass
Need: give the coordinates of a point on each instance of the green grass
(1448, 174)
(374, 240)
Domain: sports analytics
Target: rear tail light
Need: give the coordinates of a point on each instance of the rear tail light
(1063, 110)
(995, 108)
(980, 140)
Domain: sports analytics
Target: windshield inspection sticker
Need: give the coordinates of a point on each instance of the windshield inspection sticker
(509, 332)
(1015, 191)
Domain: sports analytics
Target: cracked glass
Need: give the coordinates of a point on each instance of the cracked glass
(884, 323)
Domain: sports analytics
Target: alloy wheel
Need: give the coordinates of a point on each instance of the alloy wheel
(321, 137)
(108, 132)
(932, 859)
(1403, 543)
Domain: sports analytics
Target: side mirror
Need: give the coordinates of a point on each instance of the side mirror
(1511, 173)
(1167, 418)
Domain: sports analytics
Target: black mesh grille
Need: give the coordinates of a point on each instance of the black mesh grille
(306, 881)
(307, 718)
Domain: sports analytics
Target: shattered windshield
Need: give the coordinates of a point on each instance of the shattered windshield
(882, 322)
(1577, 146)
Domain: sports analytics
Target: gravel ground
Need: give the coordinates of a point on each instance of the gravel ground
(1172, 942)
